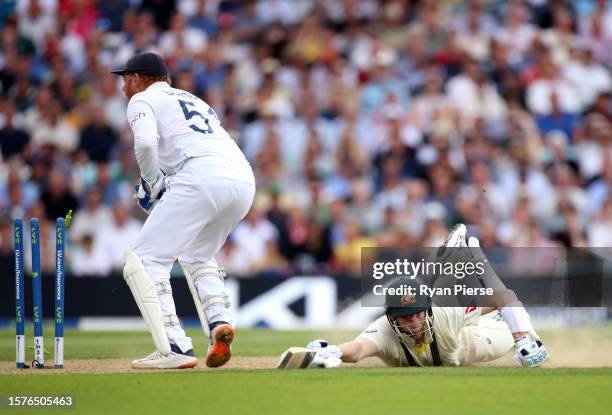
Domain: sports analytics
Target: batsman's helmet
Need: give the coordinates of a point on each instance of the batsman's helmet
(403, 298)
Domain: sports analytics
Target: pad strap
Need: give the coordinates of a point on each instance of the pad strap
(163, 287)
(170, 320)
(208, 272)
(216, 299)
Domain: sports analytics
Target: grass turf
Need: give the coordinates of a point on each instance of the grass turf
(343, 391)
(107, 345)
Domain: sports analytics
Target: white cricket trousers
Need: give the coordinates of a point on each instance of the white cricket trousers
(192, 220)
(489, 340)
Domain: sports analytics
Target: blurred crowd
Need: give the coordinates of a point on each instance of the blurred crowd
(367, 122)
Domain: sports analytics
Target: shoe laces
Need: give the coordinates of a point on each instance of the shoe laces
(154, 356)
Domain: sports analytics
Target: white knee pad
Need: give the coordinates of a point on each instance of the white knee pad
(203, 304)
(146, 295)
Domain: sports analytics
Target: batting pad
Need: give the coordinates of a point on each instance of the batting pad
(191, 280)
(147, 299)
(296, 358)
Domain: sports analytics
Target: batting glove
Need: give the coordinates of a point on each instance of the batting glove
(327, 357)
(530, 353)
(317, 344)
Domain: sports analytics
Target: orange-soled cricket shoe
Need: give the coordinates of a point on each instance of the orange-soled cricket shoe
(219, 352)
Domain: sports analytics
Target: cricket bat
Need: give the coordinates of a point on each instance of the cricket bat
(296, 358)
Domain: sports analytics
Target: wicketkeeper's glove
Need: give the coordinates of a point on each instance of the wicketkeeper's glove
(147, 194)
(327, 357)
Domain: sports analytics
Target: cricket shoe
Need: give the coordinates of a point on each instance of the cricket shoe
(454, 247)
(219, 352)
(174, 360)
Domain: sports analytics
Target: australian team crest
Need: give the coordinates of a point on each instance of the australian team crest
(408, 299)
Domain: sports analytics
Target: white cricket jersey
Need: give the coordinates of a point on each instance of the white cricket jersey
(447, 323)
(171, 125)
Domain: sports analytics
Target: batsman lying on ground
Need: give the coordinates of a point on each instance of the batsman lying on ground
(416, 332)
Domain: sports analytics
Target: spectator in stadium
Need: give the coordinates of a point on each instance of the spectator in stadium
(97, 137)
(89, 259)
(92, 218)
(57, 197)
(253, 233)
(53, 128)
(14, 139)
(348, 112)
(118, 236)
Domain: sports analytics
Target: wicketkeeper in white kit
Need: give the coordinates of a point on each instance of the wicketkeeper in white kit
(196, 186)
(415, 332)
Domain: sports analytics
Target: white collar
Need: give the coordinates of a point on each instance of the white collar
(158, 84)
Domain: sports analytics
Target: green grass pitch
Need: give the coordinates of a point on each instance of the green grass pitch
(341, 391)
